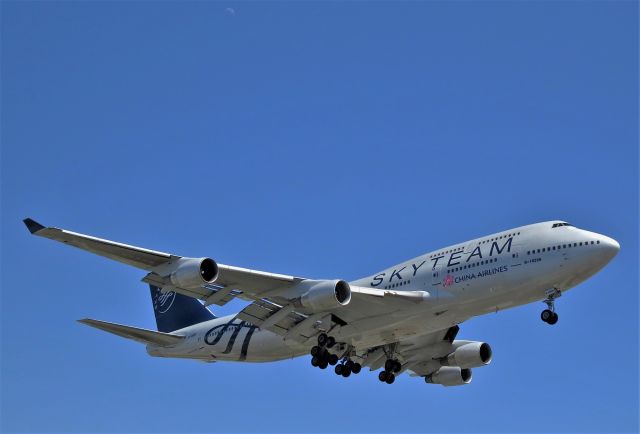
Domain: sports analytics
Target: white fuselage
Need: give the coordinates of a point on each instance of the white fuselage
(484, 275)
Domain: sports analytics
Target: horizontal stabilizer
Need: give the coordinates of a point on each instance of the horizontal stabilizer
(137, 334)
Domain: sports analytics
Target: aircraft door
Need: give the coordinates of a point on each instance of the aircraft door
(516, 260)
(437, 275)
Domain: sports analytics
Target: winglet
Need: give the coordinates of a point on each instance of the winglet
(33, 225)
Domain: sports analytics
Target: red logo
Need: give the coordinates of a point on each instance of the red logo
(448, 281)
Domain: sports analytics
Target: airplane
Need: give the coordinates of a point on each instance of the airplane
(402, 319)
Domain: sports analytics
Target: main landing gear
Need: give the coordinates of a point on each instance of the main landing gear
(391, 367)
(320, 357)
(345, 369)
(549, 315)
(326, 341)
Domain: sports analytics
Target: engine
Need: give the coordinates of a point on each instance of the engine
(326, 295)
(469, 355)
(194, 272)
(449, 376)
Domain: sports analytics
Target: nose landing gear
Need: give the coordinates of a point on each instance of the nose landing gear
(549, 315)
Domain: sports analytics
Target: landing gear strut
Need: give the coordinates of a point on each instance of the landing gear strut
(549, 315)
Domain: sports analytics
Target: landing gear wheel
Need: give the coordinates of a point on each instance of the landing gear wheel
(331, 341)
(315, 351)
(553, 319)
(322, 339)
(390, 379)
(338, 369)
(346, 371)
(356, 368)
(333, 359)
(315, 361)
(323, 364)
(389, 365)
(349, 364)
(397, 366)
(546, 315)
(382, 376)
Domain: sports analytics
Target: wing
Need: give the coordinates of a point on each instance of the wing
(419, 354)
(231, 281)
(273, 296)
(131, 255)
(436, 356)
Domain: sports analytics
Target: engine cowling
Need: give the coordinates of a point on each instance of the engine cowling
(326, 295)
(194, 272)
(470, 355)
(450, 376)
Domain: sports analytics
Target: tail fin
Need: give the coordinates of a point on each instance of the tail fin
(175, 311)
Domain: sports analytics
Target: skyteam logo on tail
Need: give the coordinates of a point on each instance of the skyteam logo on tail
(162, 302)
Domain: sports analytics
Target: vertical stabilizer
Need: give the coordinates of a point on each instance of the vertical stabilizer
(176, 311)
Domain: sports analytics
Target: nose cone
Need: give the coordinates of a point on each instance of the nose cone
(610, 247)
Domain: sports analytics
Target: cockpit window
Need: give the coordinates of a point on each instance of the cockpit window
(557, 225)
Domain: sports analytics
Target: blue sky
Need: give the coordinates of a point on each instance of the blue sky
(326, 140)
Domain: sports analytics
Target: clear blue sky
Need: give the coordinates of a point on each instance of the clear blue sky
(325, 140)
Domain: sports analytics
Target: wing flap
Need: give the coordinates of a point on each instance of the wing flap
(271, 316)
(134, 333)
(286, 321)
